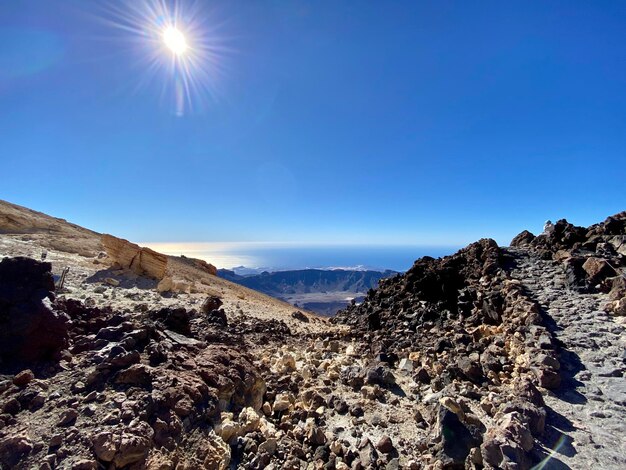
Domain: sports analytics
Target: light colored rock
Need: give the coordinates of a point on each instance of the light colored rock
(282, 402)
(217, 454)
(268, 446)
(105, 445)
(142, 261)
(249, 420)
(165, 285)
(228, 429)
(453, 406)
(414, 356)
(406, 365)
(285, 363)
(617, 307)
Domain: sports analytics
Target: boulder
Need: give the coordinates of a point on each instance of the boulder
(618, 288)
(23, 378)
(142, 261)
(14, 447)
(547, 377)
(30, 330)
(217, 317)
(379, 374)
(137, 374)
(298, 315)
(455, 439)
(507, 444)
(385, 445)
(367, 453)
(130, 446)
(175, 319)
(523, 239)
(597, 270)
(211, 303)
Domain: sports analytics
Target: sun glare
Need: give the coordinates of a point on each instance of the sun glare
(177, 43)
(175, 40)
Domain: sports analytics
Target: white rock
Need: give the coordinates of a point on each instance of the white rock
(282, 402)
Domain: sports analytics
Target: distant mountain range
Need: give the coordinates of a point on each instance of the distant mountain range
(319, 290)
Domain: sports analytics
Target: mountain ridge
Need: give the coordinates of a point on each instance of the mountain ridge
(320, 290)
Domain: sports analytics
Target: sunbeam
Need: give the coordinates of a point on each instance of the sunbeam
(177, 44)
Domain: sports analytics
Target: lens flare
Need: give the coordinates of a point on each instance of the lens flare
(174, 40)
(175, 43)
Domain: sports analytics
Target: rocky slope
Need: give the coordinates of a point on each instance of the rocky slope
(491, 358)
(506, 324)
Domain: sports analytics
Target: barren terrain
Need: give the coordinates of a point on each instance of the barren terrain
(491, 358)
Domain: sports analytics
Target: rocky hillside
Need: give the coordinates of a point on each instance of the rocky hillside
(306, 281)
(502, 331)
(490, 358)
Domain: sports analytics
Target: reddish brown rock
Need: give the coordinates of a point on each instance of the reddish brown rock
(23, 378)
(598, 269)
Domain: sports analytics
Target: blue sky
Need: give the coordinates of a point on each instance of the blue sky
(331, 122)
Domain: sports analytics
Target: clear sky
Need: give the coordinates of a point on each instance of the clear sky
(311, 121)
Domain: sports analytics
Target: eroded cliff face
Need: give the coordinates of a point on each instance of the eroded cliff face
(142, 261)
(174, 274)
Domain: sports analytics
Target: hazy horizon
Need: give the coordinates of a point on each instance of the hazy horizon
(294, 256)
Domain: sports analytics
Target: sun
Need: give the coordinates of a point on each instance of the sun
(175, 40)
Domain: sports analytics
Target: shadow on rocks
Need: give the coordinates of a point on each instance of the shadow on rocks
(547, 461)
(396, 390)
(554, 443)
(570, 366)
(125, 280)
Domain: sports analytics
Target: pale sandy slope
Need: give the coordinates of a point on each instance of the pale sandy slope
(25, 232)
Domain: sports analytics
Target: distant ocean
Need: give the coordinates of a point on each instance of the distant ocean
(255, 257)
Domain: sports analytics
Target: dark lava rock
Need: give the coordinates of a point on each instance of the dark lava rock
(29, 329)
(547, 378)
(211, 303)
(298, 315)
(456, 440)
(422, 376)
(379, 374)
(431, 290)
(385, 445)
(471, 370)
(523, 239)
(217, 317)
(175, 319)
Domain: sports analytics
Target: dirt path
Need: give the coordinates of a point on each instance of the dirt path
(587, 415)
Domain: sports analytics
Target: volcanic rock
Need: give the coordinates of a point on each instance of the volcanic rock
(29, 329)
